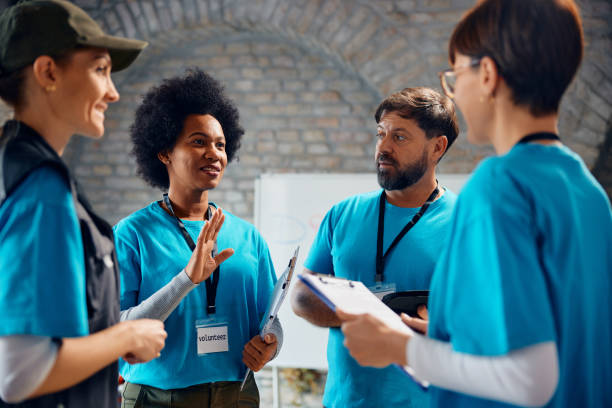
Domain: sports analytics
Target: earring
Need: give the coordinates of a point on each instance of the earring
(50, 88)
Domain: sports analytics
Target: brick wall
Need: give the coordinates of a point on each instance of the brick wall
(307, 76)
(302, 111)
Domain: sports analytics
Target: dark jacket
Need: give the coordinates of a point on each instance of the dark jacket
(23, 150)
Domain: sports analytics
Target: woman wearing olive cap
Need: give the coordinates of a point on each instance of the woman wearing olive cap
(59, 306)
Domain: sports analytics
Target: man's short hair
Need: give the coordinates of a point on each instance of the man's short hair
(537, 46)
(432, 111)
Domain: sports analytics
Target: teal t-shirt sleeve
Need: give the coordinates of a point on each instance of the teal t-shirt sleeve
(320, 258)
(42, 267)
(492, 278)
(129, 271)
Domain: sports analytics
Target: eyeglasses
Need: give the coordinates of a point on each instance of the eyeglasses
(448, 77)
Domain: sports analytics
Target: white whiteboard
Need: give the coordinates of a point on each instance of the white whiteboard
(288, 211)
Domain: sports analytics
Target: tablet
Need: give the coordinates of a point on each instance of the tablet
(407, 301)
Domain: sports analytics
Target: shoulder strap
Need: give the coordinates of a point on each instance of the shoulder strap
(22, 150)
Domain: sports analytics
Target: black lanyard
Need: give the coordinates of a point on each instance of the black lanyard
(539, 136)
(211, 284)
(380, 257)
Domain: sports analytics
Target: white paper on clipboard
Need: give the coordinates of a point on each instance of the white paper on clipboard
(355, 298)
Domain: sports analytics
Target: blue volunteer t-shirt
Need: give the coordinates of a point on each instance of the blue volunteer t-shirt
(151, 252)
(530, 261)
(42, 267)
(346, 246)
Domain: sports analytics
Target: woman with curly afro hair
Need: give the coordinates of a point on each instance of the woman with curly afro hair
(185, 132)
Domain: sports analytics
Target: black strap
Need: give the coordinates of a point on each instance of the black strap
(213, 280)
(380, 257)
(539, 136)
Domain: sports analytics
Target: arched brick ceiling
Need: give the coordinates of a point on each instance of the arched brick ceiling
(391, 44)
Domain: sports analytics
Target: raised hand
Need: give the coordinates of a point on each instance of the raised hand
(201, 264)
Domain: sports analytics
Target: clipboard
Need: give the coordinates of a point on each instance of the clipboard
(278, 295)
(276, 300)
(355, 298)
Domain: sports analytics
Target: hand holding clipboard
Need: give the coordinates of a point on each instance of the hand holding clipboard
(354, 298)
(278, 295)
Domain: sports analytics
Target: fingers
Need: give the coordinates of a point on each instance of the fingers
(372, 343)
(415, 323)
(133, 360)
(201, 238)
(422, 312)
(252, 358)
(257, 352)
(213, 226)
(223, 256)
(148, 337)
(362, 325)
(251, 362)
(218, 223)
(350, 327)
(158, 338)
(344, 316)
(269, 338)
(256, 345)
(201, 264)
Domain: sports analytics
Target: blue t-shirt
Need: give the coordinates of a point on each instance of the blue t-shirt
(151, 252)
(530, 261)
(346, 246)
(42, 267)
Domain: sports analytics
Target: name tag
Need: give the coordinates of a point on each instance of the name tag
(212, 339)
(382, 289)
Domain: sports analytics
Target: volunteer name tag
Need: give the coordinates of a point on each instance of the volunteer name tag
(382, 289)
(212, 338)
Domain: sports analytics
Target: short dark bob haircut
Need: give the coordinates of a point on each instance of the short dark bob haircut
(160, 118)
(537, 46)
(432, 111)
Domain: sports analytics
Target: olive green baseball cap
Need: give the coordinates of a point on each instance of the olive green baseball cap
(33, 28)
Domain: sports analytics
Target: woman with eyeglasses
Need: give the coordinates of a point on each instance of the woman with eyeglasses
(60, 336)
(520, 307)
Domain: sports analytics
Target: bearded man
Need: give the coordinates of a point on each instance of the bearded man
(388, 239)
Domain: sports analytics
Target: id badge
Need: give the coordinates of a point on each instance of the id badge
(212, 336)
(381, 289)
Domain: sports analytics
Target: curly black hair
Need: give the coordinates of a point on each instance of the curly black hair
(159, 120)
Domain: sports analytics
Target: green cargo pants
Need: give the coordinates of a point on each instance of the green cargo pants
(222, 394)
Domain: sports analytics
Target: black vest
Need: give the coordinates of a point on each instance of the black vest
(22, 150)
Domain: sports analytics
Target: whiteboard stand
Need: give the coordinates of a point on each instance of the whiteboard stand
(275, 388)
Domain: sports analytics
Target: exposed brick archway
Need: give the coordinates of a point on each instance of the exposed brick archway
(307, 75)
(390, 44)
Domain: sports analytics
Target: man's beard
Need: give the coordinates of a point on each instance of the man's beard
(401, 177)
